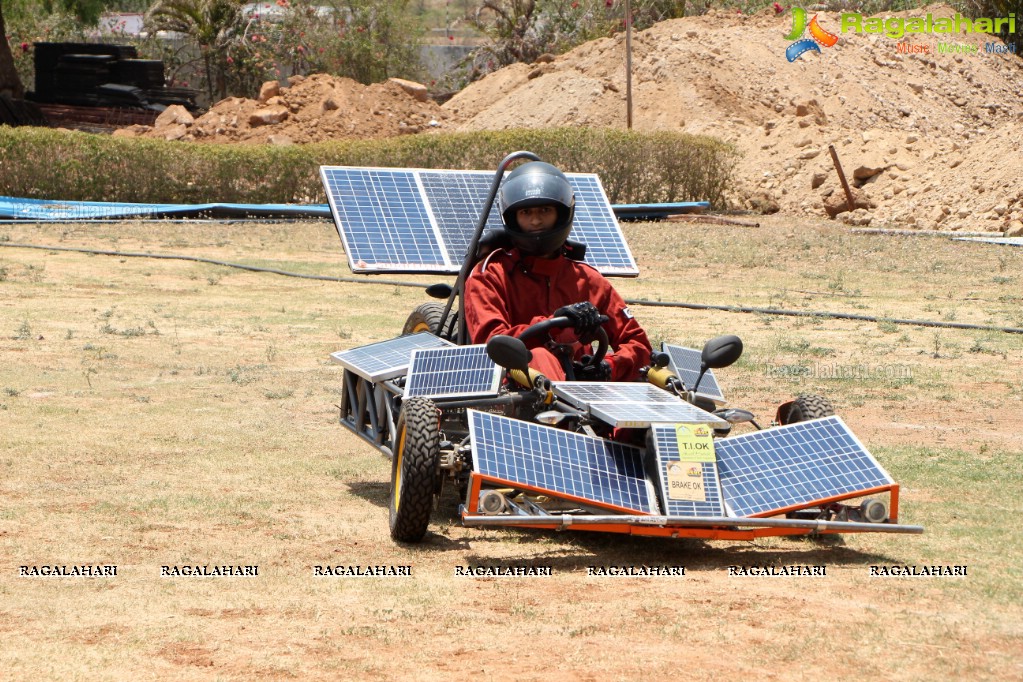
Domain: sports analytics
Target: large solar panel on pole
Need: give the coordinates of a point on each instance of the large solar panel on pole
(593, 471)
(795, 466)
(421, 220)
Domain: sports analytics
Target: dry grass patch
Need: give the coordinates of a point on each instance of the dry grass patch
(166, 412)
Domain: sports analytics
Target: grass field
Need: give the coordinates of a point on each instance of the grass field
(166, 412)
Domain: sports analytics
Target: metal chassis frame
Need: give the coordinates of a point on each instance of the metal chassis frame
(718, 528)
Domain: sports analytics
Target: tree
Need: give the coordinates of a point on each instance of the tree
(87, 11)
(212, 24)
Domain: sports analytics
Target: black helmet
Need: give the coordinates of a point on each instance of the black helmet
(537, 184)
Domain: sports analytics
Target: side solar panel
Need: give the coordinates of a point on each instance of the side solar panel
(450, 372)
(795, 466)
(386, 359)
(670, 466)
(591, 470)
(686, 363)
(421, 220)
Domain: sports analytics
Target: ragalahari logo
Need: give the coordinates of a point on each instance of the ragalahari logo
(818, 36)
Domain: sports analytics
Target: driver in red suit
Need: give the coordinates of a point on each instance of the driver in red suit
(514, 288)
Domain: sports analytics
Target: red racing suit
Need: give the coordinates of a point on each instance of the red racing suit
(508, 291)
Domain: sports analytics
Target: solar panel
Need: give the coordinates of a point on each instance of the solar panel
(686, 363)
(631, 404)
(794, 466)
(688, 485)
(599, 472)
(582, 393)
(386, 359)
(421, 220)
(630, 416)
(461, 371)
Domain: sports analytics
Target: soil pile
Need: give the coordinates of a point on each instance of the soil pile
(931, 138)
(309, 109)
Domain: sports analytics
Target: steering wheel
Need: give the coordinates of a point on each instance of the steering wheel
(543, 328)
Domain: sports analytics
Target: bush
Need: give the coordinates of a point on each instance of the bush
(634, 167)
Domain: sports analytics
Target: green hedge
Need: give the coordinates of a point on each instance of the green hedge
(634, 167)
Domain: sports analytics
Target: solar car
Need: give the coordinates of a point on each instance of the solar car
(663, 456)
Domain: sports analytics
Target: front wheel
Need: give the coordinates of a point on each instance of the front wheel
(429, 317)
(807, 407)
(415, 470)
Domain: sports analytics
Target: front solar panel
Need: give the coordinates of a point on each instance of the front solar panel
(673, 466)
(421, 220)
(795, 466)
(598, 472)
(686, 363)
(632, 416)
(582, 393)
(458, 371)
(386, 359)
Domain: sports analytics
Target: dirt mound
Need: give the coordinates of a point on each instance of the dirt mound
(311, 109)
(927, 136)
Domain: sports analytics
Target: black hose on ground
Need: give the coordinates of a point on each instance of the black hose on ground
(663, 304)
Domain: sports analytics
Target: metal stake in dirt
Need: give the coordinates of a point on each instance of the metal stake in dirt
(841, 177)
(628, 65)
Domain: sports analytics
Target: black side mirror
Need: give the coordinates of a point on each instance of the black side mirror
(509, 352)
(721, 351)
(439, 290)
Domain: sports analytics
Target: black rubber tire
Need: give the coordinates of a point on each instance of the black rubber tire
(807, 407)
(427, 318)
(415, 471)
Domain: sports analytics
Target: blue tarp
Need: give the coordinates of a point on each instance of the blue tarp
(12, 208)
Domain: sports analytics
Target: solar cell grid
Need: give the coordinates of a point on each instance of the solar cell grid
(583, 393)
(449, 372)
(628, 415)
(795, 465)
(666, 446)
(395, 219)
(602, 472)
(686, 363)
(386, 359)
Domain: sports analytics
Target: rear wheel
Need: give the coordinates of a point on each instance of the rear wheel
(415, 470)
(807, 407)
(428, 317)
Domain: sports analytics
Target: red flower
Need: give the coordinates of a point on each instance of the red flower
(575, 5)
(777, 8)
(230, 60)
(609, 3)
(24, 47)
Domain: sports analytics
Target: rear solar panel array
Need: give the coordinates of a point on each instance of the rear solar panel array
(794, 466)
(600, 471)
(419, 220)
